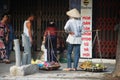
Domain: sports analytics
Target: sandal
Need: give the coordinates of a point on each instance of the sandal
(74, 69)
(6, 61)
(67, 69)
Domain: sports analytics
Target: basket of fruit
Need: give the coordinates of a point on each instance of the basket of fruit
(89, 66)
(49, 66)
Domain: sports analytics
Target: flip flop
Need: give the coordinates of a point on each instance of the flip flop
(6, 61)
(74, 69)
(67, 69)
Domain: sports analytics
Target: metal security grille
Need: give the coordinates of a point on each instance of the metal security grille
(45, 11)
(106, 14)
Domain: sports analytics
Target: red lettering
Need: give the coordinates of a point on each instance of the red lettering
(86, 54)
(87, 33)
(86, 17)
(86, 49)
(86, 44)
(86, 23)
(86, 28)
(86, 39)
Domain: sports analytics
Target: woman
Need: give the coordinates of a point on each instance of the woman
(50, 39)
(3, 38)
(74, 28)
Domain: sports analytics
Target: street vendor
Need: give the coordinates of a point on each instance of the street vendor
(74, 28)
(50, 39)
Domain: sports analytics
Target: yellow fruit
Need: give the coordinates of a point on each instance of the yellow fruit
(33, 62)
(97, 65)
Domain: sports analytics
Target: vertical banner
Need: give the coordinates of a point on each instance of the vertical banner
(86, 13)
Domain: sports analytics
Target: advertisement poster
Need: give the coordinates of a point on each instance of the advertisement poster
(86, 13)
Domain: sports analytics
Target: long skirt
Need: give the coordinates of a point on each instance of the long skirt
(2, 50)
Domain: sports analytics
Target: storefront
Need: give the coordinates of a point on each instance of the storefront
(106, 14)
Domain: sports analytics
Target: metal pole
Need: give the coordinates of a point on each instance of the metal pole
(99, 47)
(17, 52)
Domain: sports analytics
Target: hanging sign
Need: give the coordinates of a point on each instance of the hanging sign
(86, 13)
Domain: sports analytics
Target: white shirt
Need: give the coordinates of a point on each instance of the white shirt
(76, 26)
(25, 30)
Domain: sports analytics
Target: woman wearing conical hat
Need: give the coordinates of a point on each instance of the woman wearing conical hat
(74, 28)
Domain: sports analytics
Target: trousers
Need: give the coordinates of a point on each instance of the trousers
(76, 48)
(26, 58)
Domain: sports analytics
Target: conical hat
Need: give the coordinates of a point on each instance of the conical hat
(73, 13)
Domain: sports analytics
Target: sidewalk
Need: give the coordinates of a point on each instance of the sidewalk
(59, 74)
(96, 60)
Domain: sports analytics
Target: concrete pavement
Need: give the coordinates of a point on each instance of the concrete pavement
(59, 74)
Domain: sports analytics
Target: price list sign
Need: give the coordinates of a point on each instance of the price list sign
(86, 13)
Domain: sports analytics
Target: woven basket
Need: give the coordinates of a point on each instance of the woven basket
(93, 69)
(96, 70)
(50, 68)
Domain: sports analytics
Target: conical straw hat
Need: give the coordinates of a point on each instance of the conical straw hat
(73, 13)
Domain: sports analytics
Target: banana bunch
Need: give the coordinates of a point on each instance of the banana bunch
(86, 64)
(89, 65)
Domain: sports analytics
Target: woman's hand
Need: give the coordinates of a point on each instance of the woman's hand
(71, 33)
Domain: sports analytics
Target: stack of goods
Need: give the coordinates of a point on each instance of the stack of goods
(89, 66)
